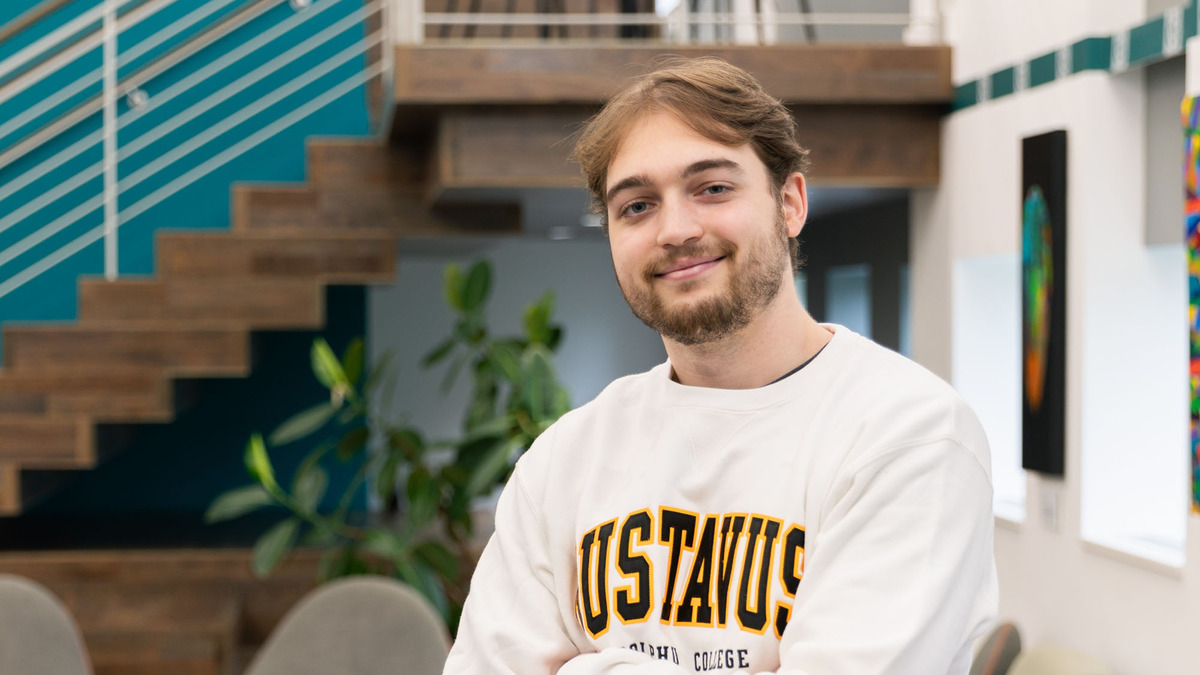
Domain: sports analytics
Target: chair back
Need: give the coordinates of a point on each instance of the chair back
(37, 634)
(359, 625)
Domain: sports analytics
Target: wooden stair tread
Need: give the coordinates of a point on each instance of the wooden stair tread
(194, 351)
(329, 256)
(41, 442)
(232, 301)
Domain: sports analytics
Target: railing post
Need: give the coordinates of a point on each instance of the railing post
(110, 138)
(409, 21)
(924, 25)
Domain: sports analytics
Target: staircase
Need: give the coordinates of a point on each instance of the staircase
(115, 365)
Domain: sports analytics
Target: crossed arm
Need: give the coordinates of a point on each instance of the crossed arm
(899, 579)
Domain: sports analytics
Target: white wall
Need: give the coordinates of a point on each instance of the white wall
(602, 340)
(1137, 616)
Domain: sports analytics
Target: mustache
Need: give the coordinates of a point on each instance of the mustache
(720, 249)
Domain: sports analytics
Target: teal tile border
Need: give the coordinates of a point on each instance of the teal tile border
(1159, 38)
(1004, 82)
(1043, 69)
(1094, 53)
(1146, 42)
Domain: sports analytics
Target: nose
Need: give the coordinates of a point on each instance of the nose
(677, 224)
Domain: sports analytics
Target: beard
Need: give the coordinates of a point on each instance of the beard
(755, 280)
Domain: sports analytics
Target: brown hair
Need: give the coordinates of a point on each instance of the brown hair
(718, 100)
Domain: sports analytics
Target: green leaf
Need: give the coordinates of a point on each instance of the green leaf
(504, 360)
(479, 282)
(456, 367)
(310, 488)
(321, 535)
(421, 577)
(352, 443)
(237, 502)
(439, 558)
(352, 361)
(422, 498)
(497, 426)
(385, 480)
(539, 383)
(326, 366)
(332, 564)
(385, 544)
(271, 548)
(258, 463)
(439, 352)
(303, 423)
(452, 286)
(492, 468)
(537, 319)
(409, 443)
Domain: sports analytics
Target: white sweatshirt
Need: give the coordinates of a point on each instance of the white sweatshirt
(837, 522)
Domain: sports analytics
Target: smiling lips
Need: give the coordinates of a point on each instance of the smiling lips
(686, 268)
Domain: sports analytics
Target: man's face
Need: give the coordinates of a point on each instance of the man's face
(699, 239)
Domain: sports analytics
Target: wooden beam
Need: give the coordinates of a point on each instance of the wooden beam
(860, 145)
(589, 74)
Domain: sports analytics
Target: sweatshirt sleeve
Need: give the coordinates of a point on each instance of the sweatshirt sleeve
(892, 583)
(512, 621)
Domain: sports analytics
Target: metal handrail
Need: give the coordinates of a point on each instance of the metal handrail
(30, 18)
(707, 18)
(165, 96)
(139, 77)
(95, 234)
(92, 40)
(113, 153)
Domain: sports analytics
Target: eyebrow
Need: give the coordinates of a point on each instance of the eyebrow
(692, 169)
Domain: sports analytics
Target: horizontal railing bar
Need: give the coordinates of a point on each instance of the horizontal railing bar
(91, 41)
(50, 196)
(133, 80)
(78, 244)
(246, 113)
(31, 17)
(171, 30)
(44, 43)
(240, 148)
(220, 63)
(134, 179)
(93, 78)
(50, 229)
(164, 96)
(604, 19)
(223, 94)
(199, 41)
(55, 161)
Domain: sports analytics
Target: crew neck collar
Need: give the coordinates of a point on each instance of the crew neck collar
(765, 396)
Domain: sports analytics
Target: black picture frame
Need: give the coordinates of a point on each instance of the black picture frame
(1043, 302)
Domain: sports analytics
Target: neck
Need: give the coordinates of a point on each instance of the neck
(782, 337)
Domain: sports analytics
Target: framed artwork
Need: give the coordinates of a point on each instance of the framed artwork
(1043, 302)
(1191, 182)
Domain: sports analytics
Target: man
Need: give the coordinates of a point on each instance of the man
(780, 496)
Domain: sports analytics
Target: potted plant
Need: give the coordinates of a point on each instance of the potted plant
(427, 488)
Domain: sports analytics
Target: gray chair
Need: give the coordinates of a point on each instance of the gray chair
(356, 626)
(998, 652)
(37, 634)
(1056, 661)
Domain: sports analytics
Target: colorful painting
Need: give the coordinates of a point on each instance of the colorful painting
(1044, 302)
(1191, 176)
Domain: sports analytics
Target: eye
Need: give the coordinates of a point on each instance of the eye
(715, 189)
(635, 208)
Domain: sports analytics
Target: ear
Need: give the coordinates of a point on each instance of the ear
(793, 196)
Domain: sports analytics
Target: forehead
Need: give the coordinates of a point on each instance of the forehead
(660, 142)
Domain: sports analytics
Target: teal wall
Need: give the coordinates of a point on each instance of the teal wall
(155, 490)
